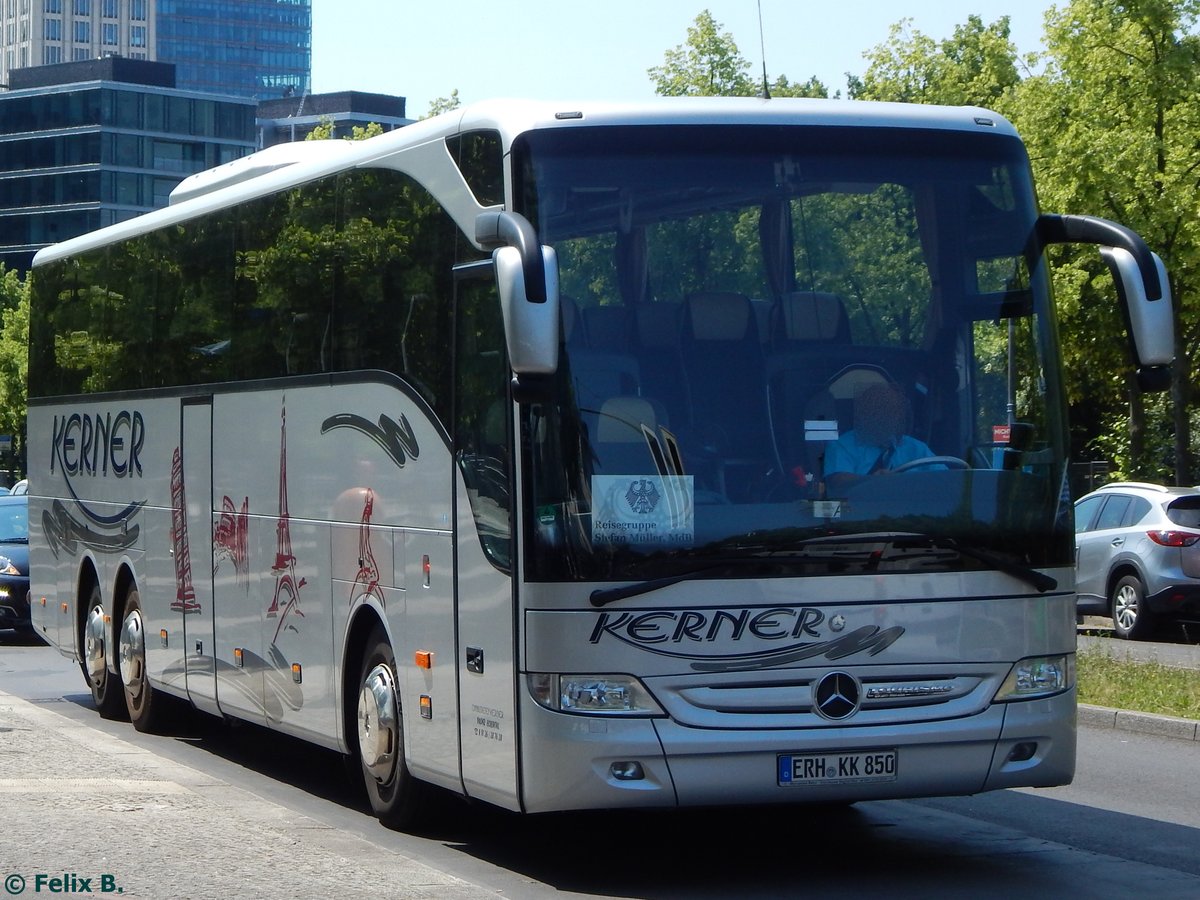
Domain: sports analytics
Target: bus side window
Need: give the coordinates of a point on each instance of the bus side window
(481, 434)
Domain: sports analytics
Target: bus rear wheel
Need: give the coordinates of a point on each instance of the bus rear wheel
(144, 702)
(396, 797)
(106, 691)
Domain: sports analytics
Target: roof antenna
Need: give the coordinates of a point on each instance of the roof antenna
(766, 91)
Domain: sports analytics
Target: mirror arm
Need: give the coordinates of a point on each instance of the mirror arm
(1073, 229)
(508, 229)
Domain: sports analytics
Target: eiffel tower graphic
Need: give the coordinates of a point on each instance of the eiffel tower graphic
(368, 569)
(287, 588)
(231, 539)
(185, 592)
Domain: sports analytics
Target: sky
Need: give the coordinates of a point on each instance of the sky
(569, 49)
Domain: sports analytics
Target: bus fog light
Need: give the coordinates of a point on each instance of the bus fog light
(620, 695)
(1039, 676)
(627, 770)
(1022, 751)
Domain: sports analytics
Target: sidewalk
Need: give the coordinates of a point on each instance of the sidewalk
(146, 827)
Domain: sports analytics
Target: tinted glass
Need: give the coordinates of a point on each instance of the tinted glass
(1085, 511)
(1139, 508)
(1113, 513)
(731, 297)
(1185, 512)
(350, 273)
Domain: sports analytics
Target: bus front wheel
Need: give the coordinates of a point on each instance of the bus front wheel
(396, 797)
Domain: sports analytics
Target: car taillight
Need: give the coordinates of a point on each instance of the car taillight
(1173, 538)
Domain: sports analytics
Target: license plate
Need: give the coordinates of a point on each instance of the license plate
(837, 767)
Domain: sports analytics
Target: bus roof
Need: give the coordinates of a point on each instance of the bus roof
(282, 166)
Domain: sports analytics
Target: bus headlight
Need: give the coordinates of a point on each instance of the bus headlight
(607, 695)
(1039, 676)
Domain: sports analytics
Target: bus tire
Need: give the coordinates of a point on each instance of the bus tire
(396, 797)
(144, 703)
(106, 689)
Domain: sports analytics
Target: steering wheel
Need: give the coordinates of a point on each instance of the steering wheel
(951, 462)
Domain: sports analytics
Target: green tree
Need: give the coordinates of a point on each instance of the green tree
(977, 66)
(324, 131)
(440, 105)
(708, 64)
(1111, 123)
(14, 356)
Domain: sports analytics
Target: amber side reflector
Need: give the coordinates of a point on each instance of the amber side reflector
(424, 659)
(237, 656)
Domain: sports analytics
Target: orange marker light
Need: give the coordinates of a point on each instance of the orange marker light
(424, 659)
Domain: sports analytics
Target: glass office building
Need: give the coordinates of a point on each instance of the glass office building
(88, 144)
(244, 48)
(261, 49)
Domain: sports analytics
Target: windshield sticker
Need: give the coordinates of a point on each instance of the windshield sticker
(643, 509)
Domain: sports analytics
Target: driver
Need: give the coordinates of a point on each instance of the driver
(877, 444)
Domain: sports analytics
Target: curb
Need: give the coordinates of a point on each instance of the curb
(1139, 722)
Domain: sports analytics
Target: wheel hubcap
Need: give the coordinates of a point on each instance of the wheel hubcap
(377, 723)
(93, 644)
(132, 654)
(1126, 608)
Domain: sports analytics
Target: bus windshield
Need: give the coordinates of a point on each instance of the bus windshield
(802, 350)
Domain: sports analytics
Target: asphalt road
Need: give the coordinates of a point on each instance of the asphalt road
(214, 811)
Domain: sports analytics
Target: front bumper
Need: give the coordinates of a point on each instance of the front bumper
(14, 603)
(567, 760)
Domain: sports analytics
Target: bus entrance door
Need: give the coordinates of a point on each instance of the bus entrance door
(192, 548)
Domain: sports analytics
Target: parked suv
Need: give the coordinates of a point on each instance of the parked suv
(1137, 555)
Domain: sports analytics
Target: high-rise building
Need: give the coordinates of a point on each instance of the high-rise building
(95, 142)
(246, 48)
(261, 49)
(293, 118)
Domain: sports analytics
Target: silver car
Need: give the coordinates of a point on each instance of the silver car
(1137, 556)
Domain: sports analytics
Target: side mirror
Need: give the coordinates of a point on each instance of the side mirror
(527, 279)
(1151, 322)
(531, 327)
(1142, 287)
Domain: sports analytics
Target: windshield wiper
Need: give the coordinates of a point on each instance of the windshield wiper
(1029, 575)
(605, 596)
(766, 554)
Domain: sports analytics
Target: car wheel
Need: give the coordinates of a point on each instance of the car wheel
(106, 690)
(1132, 621)
(396, 797)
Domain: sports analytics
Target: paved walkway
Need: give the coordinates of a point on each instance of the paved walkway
(120, 832)
(152, 828)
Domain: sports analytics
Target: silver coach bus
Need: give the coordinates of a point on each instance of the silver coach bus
(685, 453)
